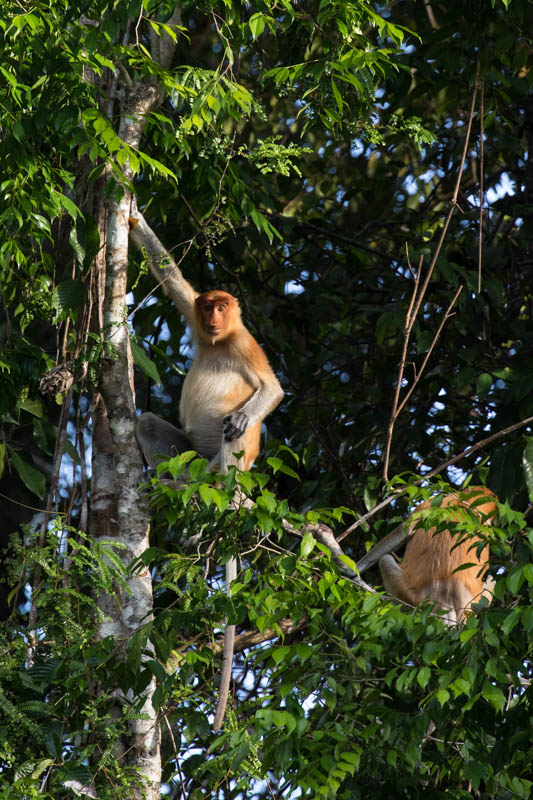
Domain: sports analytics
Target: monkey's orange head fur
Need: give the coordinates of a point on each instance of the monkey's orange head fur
(218, 315)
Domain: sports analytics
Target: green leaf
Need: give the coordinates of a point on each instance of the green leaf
(31, 477)
(32, 405)
(388, 324)
(527, 618)
(350, 563)
(279, 466)
(280, 654)
(275, 463)
(337, 96)
(76, 246)
(513, 618)
(177, 464)
(494, 696)
(144, 363)
(515, 579)
(257, 25)
(247, 481)
(443, 696)
(69, 206)
(206, 493)
(307, 545)
(423, 675)
(68, 296)
(484, 384)
(41, 222)
(197, 468)
(467, 634)
(528, 572)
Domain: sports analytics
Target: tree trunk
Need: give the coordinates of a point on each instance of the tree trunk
(118, 509)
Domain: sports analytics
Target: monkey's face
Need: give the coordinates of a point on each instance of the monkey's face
(217, 313)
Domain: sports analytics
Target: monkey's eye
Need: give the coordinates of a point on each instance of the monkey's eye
(221, 309)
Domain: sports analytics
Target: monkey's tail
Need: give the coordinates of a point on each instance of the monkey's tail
(227, 658)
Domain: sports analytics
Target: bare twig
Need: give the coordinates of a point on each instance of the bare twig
(431, 16)
(409, 322)
(481, 183)
(445, 318)
(176, 754)
(419, 294)
(397, 407)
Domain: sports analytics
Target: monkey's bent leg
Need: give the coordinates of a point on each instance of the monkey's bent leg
(159, 439)
(248, 443)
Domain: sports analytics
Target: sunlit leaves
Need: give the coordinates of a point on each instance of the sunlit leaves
(339, 688)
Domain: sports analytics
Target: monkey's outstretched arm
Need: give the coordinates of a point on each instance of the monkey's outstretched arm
(162, 265)
(389, 544)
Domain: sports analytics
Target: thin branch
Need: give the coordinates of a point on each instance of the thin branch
(119, 68)
(415, 306)
(431, 474)
(431, 16)
(477, 446)
(398, 407)
(325, 535)
(285, 627)
(481, 183)
(221, 181)
(445, 318)
(409, 322)
(176, 756)
(58, 457)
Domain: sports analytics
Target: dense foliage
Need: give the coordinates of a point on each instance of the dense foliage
(306, 157)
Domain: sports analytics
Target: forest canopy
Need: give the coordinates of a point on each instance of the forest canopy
(359, 176)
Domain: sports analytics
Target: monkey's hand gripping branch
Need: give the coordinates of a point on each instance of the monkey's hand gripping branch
(235, 425)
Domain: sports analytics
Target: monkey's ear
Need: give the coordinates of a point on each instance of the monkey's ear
(133, 222)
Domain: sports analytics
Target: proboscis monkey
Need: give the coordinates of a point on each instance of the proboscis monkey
(228, 391)
(430, 569)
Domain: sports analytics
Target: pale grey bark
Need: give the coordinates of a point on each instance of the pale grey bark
(118, 509)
